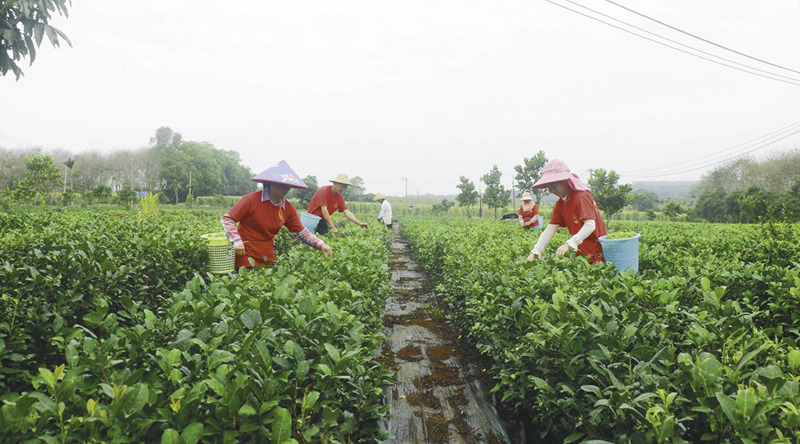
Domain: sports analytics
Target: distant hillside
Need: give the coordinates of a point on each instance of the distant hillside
(667, 190)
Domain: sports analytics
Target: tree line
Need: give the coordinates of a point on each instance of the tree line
(176, 169)
(610, 196)
(742, 191)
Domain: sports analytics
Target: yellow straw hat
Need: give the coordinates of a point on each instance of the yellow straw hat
(342, 179)
(379, 196)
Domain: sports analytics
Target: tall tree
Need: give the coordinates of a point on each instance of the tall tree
(529, 172)
(468, 195)
(610, 197)
(355, 192)
(644, 200)
(495, 195)
(198, 168)
(23, 25)
(41, 178)
(673, 210)
(305, 196)
(68, 164)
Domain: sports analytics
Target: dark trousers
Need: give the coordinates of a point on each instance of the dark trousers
(322, 227)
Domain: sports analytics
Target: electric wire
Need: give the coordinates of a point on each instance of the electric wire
(672, 47)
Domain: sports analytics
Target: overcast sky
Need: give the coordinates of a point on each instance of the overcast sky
(429, 90)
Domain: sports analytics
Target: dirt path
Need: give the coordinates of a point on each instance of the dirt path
(438, 396)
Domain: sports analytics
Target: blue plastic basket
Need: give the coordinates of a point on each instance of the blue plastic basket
(623, 253)
(310, 221)
(541, 223)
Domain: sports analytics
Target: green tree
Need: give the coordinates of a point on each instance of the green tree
(610, 197)
(529, 172)
(733, 206)
(125, 196)
(99, 194)
(644, 200)
(673, 210)
(495, 195)
(41, 177)
(165, 137)
(304, 196)
(711, 205)
(23, 25)
(443, 206)
(468, 195)
(754, 205)
(198, 168)
(355, 192)
(68, 197)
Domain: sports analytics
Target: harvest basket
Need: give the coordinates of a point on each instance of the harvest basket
(623, 253)
(221, 255)
(310, 221)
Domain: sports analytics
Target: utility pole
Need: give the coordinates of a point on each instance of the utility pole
(480, 202)
(405, 179)
(513, 196)
(190, 182)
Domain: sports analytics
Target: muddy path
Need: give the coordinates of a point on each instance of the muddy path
(440, 395)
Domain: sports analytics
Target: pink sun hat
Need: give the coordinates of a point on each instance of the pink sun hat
(556, 171)
(281, 173)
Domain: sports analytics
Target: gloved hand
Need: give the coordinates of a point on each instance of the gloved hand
(533, 256)
(562, 250)
(364, 225)
(239, 248)
(326, 250)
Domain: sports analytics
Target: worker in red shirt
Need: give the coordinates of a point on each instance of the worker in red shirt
(260, 216)
(528, 212)
(575, 209)
(328, 200)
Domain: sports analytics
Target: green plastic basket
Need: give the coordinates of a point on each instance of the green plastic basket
(221, 255)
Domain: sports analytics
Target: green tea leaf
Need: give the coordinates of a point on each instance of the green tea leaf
(281, 425)
(170, 436)
(192, 433)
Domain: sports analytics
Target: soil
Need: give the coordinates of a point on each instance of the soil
(441, 392)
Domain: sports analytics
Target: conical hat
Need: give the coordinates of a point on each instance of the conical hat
(280, 173)
(379, 196)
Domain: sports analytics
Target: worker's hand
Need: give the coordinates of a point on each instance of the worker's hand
(533, 256)
(326, 250)
(335, 230)
(562, 250)
(364, 225)
(239, 248)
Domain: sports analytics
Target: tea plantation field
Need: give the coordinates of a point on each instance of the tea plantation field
(701, 346)
(111, 331)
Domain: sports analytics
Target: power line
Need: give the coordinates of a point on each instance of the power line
(672, 47)
(723, 160)
(682, 44)
(701, 38)
(735, 148)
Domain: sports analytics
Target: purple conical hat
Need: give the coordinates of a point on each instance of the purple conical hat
(281, 172)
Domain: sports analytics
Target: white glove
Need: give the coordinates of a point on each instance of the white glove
(562, 250)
